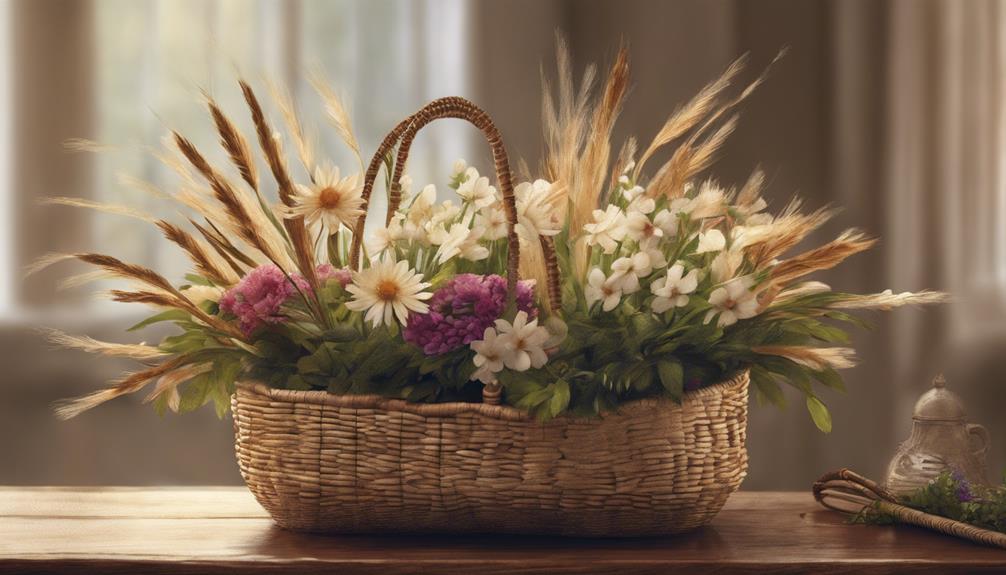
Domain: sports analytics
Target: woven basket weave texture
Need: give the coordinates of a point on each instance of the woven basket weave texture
(365, 464)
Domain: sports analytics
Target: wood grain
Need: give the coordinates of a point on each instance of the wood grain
(223, 530)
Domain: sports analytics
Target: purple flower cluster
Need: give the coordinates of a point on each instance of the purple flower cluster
(256, 300)
(461, 310)
(964, 493)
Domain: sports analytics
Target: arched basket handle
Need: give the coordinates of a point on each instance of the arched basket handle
(405, 132)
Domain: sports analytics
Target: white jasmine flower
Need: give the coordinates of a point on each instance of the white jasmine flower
(459, 240)
(667, 221)
(607, 229)
(489, 352)
(630, 193)
(329, 200)
(639, 227)
(598, 288)
(492, 219)
(387, 290)
(422, 206)
(642, 205)
(384, 238)
(732, 301)
(651, 247)
(477, 192)
(535, 214)
(441, 216)
(672, 289)
(711, 241)
(627, 271)
(460, 165)
(524, 342)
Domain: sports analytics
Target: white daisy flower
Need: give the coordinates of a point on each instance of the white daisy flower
(607, 229)
(329, 200)
(489, 352)
(732, 301)
(388, 290)
(672, 290)
(477, 192)
(598, 288)
(711, 241)
(492, 219)
(524, 342)
(535, 214)
(627, 271)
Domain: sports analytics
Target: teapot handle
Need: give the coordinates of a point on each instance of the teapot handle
(983, 437)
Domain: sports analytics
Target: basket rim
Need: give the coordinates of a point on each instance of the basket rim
(505, 412)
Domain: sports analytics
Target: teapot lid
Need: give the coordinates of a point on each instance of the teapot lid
(939, 403)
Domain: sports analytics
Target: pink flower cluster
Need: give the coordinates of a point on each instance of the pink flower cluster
(256, 300)
(461, 310)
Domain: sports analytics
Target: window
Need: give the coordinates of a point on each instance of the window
(153, 58)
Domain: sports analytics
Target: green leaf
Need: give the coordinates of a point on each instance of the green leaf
(819, 413)
(170, 315)
(560, 398)
(198, 280)
(767, 387)
(830, 378)
(672, 377)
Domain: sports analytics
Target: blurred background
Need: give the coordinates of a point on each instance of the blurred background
(892, 109)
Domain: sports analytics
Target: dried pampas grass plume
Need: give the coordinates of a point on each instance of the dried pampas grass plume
(337, 114)
(305, 148)
(234, 143)
(169, 382)
(91, 345)
(113, 209)
(684, 118)
(816, 358)
(131, 383)
(887, 300)
(851, 242)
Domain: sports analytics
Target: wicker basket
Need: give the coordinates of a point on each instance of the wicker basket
(365, 464)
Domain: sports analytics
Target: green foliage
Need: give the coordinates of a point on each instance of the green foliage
(952, 497)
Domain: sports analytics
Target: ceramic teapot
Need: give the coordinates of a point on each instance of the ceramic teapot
(941, 440)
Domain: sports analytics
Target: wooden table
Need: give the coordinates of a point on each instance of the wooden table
(223, 530)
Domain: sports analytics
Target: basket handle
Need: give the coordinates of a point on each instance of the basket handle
(405, 132)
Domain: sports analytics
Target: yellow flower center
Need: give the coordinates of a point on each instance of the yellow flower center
(329, 198)
(387, 290)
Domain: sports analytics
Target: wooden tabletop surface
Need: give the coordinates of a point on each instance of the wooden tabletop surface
(223, 530)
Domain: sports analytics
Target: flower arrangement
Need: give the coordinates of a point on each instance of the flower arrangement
(636, 283)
